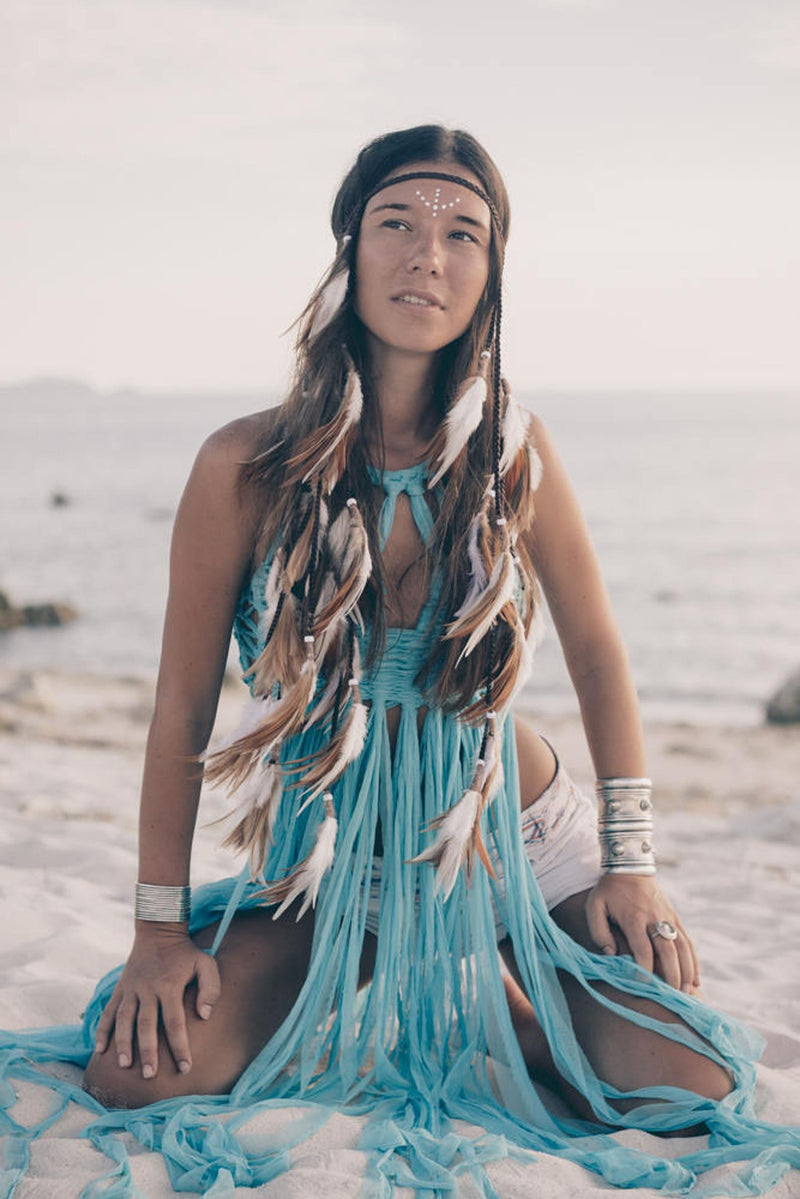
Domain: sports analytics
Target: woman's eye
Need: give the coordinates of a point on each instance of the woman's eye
(394, 222)
(463, 235)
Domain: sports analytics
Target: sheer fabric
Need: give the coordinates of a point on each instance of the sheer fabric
(430, 1040)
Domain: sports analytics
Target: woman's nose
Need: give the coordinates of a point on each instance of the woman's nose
(426, 255)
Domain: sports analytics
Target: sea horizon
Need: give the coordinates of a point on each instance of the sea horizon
(691, 497)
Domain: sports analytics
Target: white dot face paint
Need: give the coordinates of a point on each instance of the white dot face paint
(437, 204)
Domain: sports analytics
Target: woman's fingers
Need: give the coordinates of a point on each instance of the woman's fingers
(685, 963)
(641, 945)
(676, 959)
(173, 1016)
(123, 1031)
(693, 974)
(687, 956)
(208, 985)
(106, 1023)
(147, 1036)
(668, 963)
(599, 927)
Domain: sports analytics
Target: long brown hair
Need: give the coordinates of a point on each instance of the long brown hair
(322, 364)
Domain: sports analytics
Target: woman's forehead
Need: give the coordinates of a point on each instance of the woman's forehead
(435, 195)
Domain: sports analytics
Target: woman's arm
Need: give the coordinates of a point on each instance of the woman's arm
(567, 567)
(211, 550)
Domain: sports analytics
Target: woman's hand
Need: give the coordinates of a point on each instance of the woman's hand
(632, 905)
(163, 962)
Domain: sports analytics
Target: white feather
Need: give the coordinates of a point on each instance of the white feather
(353, 397)
(272, 592)
(536, 467)
(356, 671)
(327, 638)
(491, 753)
(492, 763)
(272, 587)
(477, 567)
(325, 701)
(452, 838)
(338, 535)
(529, 644)
(505, 594)
(538, 627)
(347, 537)
(356, 544)
(353, 403)
(330, 301)
(352, 744)
(327, 591)
(364, 571)
(263, 790)
(514, 433)
(259, 789)
(253, 714)
(311, 871)
(460, 423)
(496, 783)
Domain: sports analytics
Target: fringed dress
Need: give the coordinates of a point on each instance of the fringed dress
(430, 1041)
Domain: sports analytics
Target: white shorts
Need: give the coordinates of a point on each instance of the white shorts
(559, 830)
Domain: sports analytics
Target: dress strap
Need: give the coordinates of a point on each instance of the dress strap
(411, 480)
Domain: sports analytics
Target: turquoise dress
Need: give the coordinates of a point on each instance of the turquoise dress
(430, 1040)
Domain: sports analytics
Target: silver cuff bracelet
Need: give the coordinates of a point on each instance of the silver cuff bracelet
(170, 904)
(625, 825)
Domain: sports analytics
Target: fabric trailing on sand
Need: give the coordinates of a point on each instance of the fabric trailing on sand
(430, 1041)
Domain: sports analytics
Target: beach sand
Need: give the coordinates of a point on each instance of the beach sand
(71, 749)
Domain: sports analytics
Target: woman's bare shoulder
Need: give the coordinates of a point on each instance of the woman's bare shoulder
(241, 439)
(536, 429)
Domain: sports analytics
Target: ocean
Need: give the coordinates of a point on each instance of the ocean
(693, 502)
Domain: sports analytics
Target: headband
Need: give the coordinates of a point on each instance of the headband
(408, 175)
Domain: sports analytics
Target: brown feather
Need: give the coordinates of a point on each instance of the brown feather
(484, 610)
(324, 443)
(300, 556)
(478, 846)
(331, 762)
(357, 556)
(235, 762)
(281, 659)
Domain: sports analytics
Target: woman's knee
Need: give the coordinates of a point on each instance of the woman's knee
(536, 760)
(262, 968)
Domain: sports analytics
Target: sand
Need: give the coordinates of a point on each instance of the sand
(71, 750)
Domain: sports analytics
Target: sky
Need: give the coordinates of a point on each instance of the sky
(168, 168)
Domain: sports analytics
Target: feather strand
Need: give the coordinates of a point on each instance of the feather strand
(308, 874)
(329, 302)
(461, 421)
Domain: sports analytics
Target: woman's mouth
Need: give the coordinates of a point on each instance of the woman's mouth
(417, 299)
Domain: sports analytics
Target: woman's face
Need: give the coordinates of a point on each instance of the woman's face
(422, 261)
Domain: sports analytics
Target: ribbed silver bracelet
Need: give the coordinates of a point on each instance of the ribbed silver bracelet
(170, 904)
(625, 825)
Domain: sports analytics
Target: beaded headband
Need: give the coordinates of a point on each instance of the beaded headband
(445, 176)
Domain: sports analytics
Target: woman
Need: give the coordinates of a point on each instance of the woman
(375, 545)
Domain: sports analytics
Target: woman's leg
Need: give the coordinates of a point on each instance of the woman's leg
(620, 1052)
(263, 964)
(536, 762)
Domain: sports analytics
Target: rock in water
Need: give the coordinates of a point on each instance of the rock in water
(9, 615)
(33, 615)
(784, 706)
(47, 614)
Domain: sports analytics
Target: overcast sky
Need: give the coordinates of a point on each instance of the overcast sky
(168, 167)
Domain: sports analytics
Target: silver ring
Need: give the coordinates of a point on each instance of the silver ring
(663, 928)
